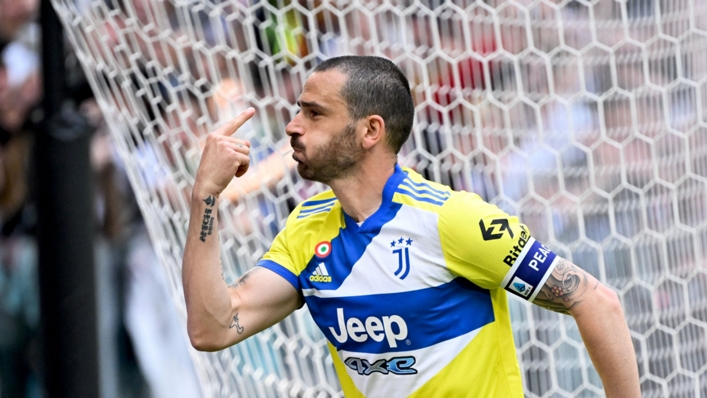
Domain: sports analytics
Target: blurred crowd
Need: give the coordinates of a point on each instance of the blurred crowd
(142, 343)
(20, 93)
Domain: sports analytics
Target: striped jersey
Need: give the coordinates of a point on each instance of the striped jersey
(413, 301)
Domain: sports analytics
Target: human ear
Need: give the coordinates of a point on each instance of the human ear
(375, 131)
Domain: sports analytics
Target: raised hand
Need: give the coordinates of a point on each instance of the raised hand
(223, 158)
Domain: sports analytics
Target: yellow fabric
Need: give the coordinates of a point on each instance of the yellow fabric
(487, 367)
(302, 237)
(347, 385)
(466, 252)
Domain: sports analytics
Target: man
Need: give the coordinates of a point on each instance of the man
(406, 278)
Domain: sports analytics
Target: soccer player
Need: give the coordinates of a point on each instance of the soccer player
(406, 278)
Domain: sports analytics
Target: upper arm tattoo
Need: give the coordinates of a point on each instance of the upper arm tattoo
(242, 280)
(235, 322)
(564, 288)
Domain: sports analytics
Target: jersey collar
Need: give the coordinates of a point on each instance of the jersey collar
(382, 214)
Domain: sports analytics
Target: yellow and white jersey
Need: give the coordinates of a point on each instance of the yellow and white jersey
(413, 301)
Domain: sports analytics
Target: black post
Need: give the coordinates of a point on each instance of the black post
(65, 227)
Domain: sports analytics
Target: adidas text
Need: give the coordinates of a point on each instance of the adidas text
(320, 278)
(320, 274)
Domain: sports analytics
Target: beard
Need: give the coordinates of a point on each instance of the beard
(333, 160)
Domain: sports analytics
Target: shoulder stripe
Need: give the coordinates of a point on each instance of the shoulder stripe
(420, 198)
(309, 212)
(318, 202)
(313, 209)
(426, 190)
(425, 185)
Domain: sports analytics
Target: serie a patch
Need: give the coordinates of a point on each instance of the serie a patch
(530, 270)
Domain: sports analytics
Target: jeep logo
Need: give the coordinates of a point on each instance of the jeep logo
(375, 328)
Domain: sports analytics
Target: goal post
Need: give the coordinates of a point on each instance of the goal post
(587, 119)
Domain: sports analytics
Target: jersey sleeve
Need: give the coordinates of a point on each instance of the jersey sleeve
(492, 249)
(280, 259)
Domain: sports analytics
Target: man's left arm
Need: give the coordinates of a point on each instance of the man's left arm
(597, 311)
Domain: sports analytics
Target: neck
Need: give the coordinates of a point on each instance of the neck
(361, 192)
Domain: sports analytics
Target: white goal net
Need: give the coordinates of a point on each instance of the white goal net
(586, 118)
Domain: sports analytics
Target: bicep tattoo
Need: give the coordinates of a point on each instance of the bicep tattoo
(242, 280)
(236, 324)
(564, 288)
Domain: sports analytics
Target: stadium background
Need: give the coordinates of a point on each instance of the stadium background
(584, 118)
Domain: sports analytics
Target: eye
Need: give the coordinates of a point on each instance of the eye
(314, 113)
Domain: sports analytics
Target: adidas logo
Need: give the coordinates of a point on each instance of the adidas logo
(320, 274)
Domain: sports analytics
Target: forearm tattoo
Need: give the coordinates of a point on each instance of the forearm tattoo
(207, 223)
(564, 289)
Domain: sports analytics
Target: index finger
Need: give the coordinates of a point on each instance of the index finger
(231, 127)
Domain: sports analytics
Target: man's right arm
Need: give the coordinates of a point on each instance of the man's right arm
(219, 315)
(601, 322)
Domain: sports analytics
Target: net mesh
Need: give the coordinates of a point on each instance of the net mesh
(585, 118)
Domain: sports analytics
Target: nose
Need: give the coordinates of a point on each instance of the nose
(294, 127)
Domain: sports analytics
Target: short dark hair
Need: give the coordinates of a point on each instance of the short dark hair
(376, 86)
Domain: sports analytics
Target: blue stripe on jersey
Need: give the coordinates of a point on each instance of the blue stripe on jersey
(318, 202)
(351, 242)
(346, 249)
(280, 270)
(424, 185)
(533, 267)
(404, 321)
(314, 212)
(423, 191)
(310, 211)
(420, 198)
